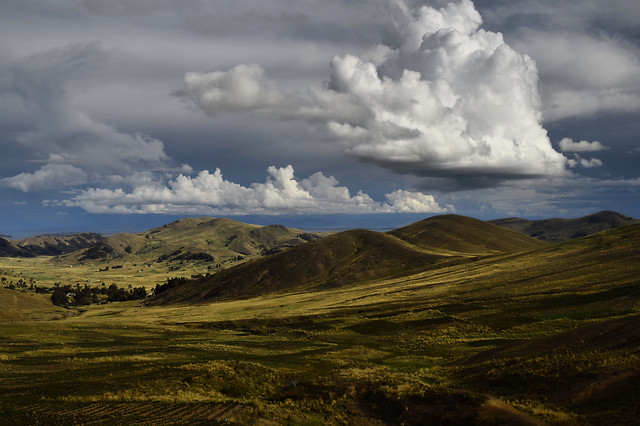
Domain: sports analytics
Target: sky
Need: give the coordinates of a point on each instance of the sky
(121, 115)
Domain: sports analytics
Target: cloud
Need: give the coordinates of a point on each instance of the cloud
(242, 88)
(583, 162)
(49, 176)
(584, 73)
(63, 135)
(568, 145)
(210, 193)
(572, 196)
(451, 99)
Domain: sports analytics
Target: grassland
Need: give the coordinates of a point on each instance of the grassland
(46, 271)
(550, 335)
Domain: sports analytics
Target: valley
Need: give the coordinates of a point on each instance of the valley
(450, 320)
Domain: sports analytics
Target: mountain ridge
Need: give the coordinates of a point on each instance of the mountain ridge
(557, 229)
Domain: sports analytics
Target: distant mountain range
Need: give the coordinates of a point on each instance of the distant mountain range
(224, 238)
(557, 230)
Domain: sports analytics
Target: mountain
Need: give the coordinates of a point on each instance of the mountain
(356, 256)
(461, 234)
(8, 249)
(192, 239)
(55, 245)
(557, 230)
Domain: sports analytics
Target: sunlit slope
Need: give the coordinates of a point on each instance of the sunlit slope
(194, 239)
(557, 230)
(338, 260)
(17, 306)
(222, 237)
(465, 235)
(555, 275)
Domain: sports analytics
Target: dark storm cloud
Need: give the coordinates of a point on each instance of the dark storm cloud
(73, 145)
(586, 51)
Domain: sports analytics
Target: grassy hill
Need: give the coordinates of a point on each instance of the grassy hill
(462, 234)
(557, 230)
(192, 240)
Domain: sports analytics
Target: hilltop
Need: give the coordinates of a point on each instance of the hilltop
(461, 234)
(557, 230)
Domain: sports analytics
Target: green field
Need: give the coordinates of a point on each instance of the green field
(550, 335)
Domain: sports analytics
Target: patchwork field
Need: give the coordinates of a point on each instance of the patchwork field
(550, 335)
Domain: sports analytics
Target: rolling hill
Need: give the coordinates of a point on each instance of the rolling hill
(460, 234)
(557, 230)
(356, 256)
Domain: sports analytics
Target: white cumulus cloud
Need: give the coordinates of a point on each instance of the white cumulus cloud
(569, 145)
(282, 192)
(577, 160)
(450, 99)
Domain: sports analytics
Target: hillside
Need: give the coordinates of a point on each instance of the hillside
(462, 234)
(557, 230)
(338, 260)
(17, 306)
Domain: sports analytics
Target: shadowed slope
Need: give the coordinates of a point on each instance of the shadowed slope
(557, 230)
(465, 235)
(341, 259)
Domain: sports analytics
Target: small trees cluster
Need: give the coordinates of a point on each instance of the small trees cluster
(171, 283)
(23, 285)
(69, 295)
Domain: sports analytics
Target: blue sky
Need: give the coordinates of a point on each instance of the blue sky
(124, 115)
